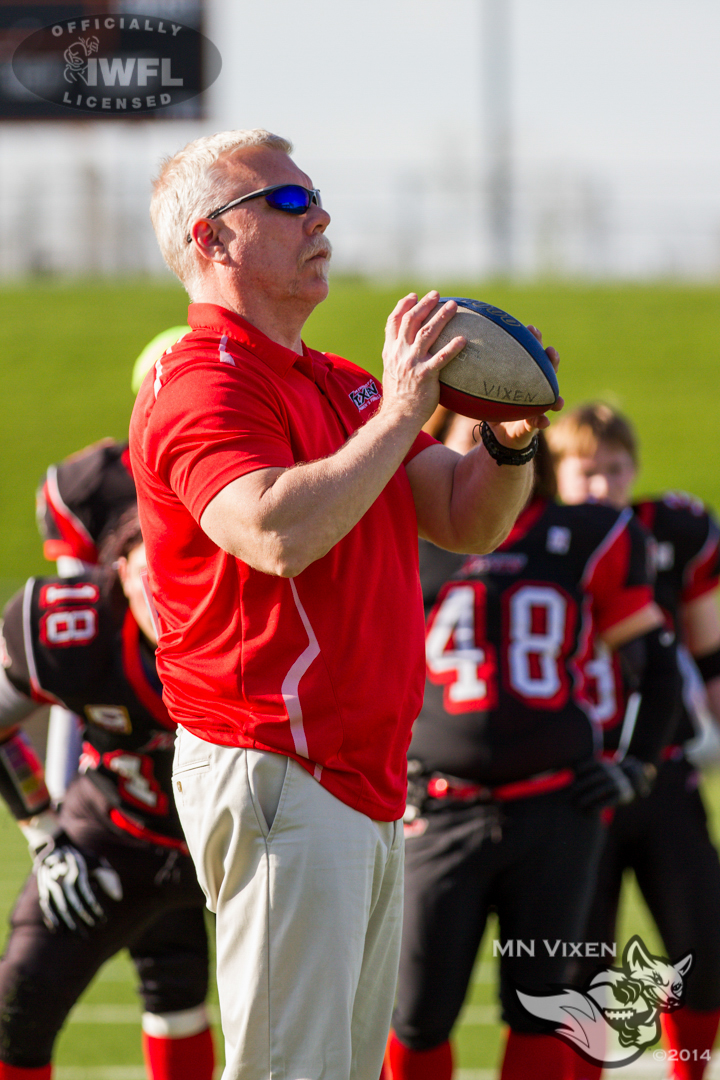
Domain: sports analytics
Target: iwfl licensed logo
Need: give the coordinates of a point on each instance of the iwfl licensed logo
(617, 1016)
(76, 58)
(116, 64)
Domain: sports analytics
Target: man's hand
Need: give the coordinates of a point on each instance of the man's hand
(67, 893)
(517, 434)
(410, 373)
(609, 783)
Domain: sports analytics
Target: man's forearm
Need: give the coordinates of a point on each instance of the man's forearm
(486, 501)
(280, 521)
(467, 504)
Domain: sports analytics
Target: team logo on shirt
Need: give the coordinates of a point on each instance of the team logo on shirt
(663, 555)
(365, 394)
(498, 562)
(558, 540)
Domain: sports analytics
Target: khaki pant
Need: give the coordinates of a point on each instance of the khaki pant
(308, 896)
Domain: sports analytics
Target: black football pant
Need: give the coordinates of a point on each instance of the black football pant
(531, 860)
(665, 840)
(160, 920)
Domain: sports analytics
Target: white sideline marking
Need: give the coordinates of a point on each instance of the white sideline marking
(486, 972)
(480, 1015)
(105, 1014)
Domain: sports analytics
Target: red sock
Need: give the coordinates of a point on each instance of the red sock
(402, 1063)
(687, 1029)
(191, 1058)
(12, 1072)
(542, 1057)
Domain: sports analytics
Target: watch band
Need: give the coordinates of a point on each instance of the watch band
(503, 455)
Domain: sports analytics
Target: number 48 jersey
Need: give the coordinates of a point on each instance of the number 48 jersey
(75, 641)
(507, 635)
(686, 557)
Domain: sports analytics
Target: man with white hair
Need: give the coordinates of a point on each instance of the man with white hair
(281, 495)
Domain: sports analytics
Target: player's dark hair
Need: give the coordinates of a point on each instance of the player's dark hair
(545, 483)
(584, 428)
(123, 539)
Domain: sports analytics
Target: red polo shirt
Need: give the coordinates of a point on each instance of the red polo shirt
(326, 667)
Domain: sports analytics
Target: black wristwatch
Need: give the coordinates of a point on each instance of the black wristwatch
(503, 455)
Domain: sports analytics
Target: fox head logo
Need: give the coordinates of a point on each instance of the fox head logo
(618, 1015)
(76, 58)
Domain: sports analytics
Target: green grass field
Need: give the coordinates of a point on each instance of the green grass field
(66, 352)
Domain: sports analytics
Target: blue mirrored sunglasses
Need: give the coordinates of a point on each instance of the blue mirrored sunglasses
(290, 198)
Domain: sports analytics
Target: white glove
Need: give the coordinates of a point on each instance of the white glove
(68, 884)
(704, 750)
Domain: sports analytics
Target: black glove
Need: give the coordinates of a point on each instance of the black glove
(611, 783)
(68, 883)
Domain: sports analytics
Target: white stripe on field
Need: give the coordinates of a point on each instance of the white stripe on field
(105, 1014)
(480, 1015)
(486, 972)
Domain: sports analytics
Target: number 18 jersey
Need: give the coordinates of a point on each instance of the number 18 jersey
(507, 635)
(75, 641)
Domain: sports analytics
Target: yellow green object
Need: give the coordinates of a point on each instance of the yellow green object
(153, 351)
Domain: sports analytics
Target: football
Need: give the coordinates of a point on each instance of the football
(503, 372)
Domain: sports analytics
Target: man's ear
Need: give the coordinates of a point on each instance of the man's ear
(207, 239)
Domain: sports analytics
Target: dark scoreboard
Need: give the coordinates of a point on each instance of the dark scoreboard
(104, 59)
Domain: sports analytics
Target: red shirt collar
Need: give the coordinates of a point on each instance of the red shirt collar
(220, 320)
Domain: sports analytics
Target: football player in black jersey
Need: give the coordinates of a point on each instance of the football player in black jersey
(506, 788)
(664, 839)
(77, 504)
(81, 500)
(111, 869)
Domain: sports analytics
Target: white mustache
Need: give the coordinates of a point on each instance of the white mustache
(320, 245)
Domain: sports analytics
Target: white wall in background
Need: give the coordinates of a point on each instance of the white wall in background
(614, 139)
